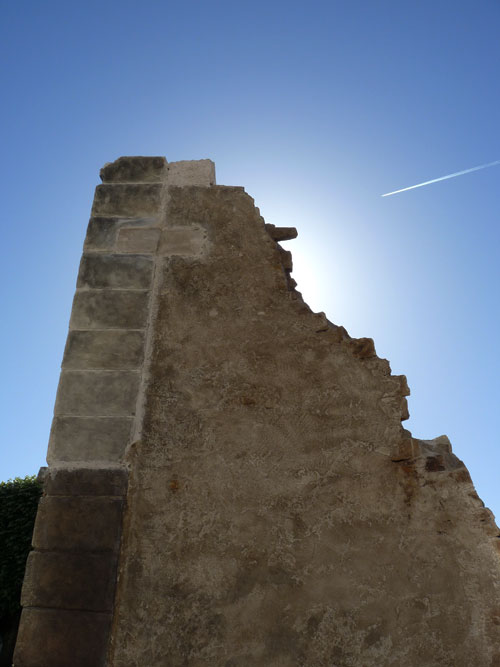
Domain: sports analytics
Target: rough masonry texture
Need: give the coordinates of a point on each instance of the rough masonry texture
(229, 481)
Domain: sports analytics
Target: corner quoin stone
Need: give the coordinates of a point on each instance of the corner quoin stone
(109, 309)
(104, 350)
(101, 271)
(97, 393)
(82, 439)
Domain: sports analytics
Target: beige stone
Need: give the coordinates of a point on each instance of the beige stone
(97, 393)
(191, 172)
(277, 514)
(300, 524)
(77, 439)
(183, 241)
(137, 240)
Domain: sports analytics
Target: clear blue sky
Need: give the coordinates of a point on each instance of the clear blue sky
(317, 109)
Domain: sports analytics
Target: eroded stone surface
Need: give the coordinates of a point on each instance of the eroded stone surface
(97, 393)
(109, 309)
(278, 514)
(109, 350)
(77, 439)
(300, 524)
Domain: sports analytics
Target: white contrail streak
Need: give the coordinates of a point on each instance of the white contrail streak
(443, 178)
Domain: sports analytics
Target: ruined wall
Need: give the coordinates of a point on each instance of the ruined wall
(277, 513)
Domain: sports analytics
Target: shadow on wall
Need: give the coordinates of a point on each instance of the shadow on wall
(18, 505)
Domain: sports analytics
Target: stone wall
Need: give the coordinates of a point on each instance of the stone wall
(276, 511)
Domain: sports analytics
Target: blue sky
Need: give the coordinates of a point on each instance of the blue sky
(317, 109)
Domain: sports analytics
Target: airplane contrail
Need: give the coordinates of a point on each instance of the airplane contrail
(442, 178)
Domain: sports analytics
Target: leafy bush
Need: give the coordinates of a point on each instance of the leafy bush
(18, 504)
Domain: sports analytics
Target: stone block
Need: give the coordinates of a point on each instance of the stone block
(86, 482)
(100, 271)
(191, 172)
(136, 169)
(89, 439)
(137, 239)
(109, 309)
(78, 523)
(108, 350)
(70, 580)
(281, 233)
(58, 638)
(127, 199)
(182, 241)
(102, 232)
(97, 393)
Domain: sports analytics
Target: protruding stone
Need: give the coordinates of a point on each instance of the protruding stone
(362, 348)
(286, 259)
(408, 448)
(281, 233)
(405, 389)
(136, 169)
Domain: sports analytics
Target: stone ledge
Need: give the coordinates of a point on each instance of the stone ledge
(281, 233)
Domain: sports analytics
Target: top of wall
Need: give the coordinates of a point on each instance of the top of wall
(140, 169)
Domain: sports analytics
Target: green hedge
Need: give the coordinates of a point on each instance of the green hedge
(18, 504)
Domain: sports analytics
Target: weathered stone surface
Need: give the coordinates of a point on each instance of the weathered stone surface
(85, 482)
(300, 524)
(115, 271)
(191, 172)
(127, 199)
(278, 513)
(78, 524)
(108, 350)
(82, 581)
(137, 239)
(109, 309)
(97, 393)
(56, 638)
(183, 241)
(94, 439)
(102, 232)
(134, 169)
